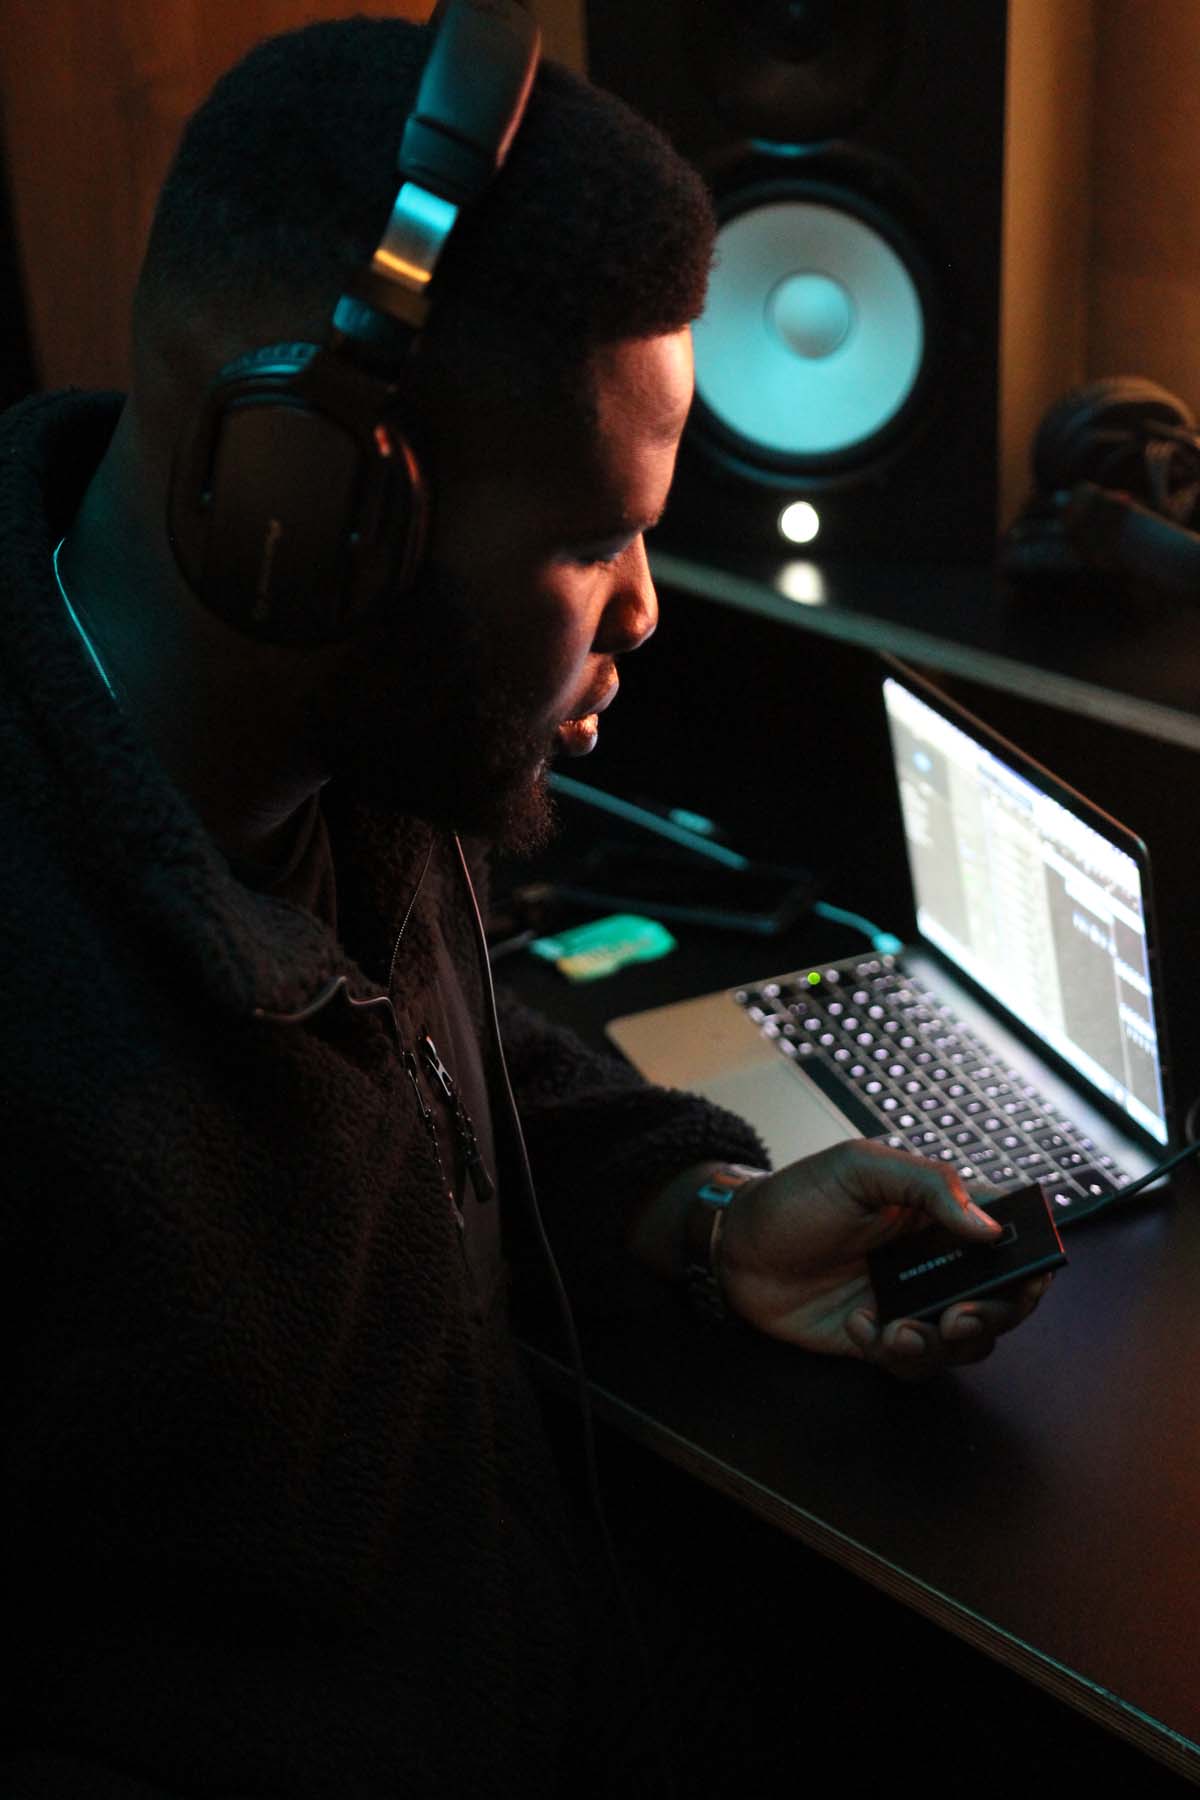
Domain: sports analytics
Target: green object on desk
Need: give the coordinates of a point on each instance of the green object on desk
(587, 952)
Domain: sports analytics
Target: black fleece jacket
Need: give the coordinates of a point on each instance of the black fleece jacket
(278, 1515)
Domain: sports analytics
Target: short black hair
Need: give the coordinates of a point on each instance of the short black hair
(596, 231)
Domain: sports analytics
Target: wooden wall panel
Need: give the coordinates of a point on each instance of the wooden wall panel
(94, 96)
(1145, 262)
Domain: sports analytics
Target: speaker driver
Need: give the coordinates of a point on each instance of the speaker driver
(814, 339)
(795, 71)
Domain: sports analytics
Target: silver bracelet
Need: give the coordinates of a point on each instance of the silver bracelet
(703, 1227)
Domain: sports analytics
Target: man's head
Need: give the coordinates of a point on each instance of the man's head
(548, 391)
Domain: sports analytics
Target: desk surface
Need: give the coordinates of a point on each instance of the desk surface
(1130, 663)
(1044, 1505)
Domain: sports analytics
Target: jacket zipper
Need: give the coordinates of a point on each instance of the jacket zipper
(464, 1129)
(412, 1070)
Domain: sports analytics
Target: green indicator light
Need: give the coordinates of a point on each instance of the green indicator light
(813, 978)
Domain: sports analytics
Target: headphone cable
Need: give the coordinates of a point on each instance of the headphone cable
(583, 1395)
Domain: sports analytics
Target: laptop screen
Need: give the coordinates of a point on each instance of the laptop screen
(1034, 894)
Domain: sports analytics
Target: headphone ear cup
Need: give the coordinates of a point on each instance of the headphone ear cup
(297, 503)
(1085, 433)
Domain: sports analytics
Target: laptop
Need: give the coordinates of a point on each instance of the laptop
(1018, 1038)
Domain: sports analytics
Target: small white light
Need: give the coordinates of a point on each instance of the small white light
(802, 582)
(799, 523)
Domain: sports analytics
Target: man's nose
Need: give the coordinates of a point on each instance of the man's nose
(631, 611)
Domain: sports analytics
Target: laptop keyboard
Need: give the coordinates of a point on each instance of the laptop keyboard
(904, 1069)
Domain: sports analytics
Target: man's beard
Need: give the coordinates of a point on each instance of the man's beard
(427, 720)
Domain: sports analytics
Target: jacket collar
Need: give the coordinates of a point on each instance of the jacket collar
(126, 824)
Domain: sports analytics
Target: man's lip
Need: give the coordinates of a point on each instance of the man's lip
(598, 702)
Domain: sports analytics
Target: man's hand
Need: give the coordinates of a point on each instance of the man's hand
(793, 1249)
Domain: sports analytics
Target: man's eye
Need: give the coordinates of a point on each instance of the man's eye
(599, 556)
(593, 560)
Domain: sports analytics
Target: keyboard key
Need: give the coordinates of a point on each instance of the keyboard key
(1096, 1184)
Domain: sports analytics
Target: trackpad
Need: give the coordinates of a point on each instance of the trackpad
(792, 1117)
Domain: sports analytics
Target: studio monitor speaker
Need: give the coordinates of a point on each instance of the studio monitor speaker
(899, 291)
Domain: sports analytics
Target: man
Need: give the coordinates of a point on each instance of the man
(280, 1517)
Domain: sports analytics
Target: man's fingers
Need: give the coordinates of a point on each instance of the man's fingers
(894, 1178)
(950, 1204)
(996, 1315)
(912, 1349)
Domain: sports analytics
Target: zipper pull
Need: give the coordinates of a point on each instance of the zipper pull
(464, 1130)
(412, 1070)
(437, 1068)
(414, 1075)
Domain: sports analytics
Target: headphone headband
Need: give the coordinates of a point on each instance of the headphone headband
(471, 100)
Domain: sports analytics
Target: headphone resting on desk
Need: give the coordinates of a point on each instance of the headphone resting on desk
(299, 502)
(1116, 468)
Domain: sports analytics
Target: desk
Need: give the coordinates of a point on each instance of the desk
(1131, 663)
(1044, 1506)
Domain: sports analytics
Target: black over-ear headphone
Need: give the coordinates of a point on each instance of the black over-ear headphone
(298, 502)
(1116, 468)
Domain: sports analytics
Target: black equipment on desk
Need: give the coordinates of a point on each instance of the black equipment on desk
(675, 885)
(1116, 468)
(677, 867)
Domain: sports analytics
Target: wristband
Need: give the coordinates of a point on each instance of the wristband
(702, 1229)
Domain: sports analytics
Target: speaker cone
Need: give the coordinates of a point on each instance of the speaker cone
(816, 337)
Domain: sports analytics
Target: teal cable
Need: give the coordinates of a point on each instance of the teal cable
(885, 942)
